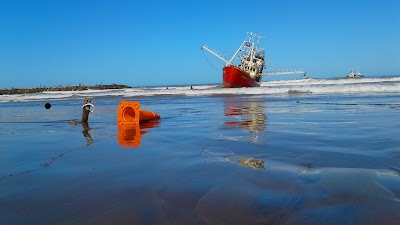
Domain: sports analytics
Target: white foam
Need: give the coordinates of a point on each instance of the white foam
(306, 86)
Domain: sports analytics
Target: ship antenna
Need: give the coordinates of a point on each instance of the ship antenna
(248, 38)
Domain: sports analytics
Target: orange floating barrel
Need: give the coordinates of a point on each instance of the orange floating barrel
(130, 113)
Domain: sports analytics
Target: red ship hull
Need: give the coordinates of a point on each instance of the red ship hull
(236, 78)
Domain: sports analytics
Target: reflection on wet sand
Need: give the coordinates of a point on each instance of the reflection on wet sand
(86, 134)
(128, 135)
(253, 163)
(332, 196)
(131, 135)
(85, 130)
(247, 114)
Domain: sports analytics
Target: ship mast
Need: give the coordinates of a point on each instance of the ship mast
(289, 71)
(249, 41)
(204, 47)
(251, 52)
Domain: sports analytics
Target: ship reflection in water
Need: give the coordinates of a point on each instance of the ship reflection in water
(246, 113)
(131, 135)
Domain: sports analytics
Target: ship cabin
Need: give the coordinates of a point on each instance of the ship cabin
(253, 64)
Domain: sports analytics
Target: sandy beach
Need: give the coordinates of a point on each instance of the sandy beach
(218, 159)
(199, 112)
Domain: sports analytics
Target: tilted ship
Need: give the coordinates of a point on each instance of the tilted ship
(249, 72)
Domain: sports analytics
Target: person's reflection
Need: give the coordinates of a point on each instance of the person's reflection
(131, 135)
(246, 113)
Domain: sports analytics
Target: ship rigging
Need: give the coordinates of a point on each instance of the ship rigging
(249, 72)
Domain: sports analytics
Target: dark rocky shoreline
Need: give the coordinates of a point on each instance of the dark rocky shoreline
(13, 91)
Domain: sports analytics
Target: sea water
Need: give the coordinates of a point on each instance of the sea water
(307, 151)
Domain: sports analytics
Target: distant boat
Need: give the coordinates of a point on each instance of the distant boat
(355, 75)
(249, 72)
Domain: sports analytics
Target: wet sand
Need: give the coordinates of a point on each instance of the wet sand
(209, 160)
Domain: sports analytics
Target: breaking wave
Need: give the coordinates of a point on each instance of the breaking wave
(371, 86)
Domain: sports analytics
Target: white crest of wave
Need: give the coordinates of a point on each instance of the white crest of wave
(339, 81)
(34, 97)
(307, 85)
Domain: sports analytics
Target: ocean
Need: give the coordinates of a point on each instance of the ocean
(303, 151)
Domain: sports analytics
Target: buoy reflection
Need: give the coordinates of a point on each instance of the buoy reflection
(130, 135)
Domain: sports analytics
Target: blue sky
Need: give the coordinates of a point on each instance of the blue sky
(140, 43)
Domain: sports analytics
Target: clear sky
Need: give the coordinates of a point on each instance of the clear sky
(140, 43)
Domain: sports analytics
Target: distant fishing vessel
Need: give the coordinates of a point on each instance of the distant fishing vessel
(249, 72)
(355, 75)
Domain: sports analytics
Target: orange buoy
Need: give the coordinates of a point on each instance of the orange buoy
(147, 115)
(130, 113)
